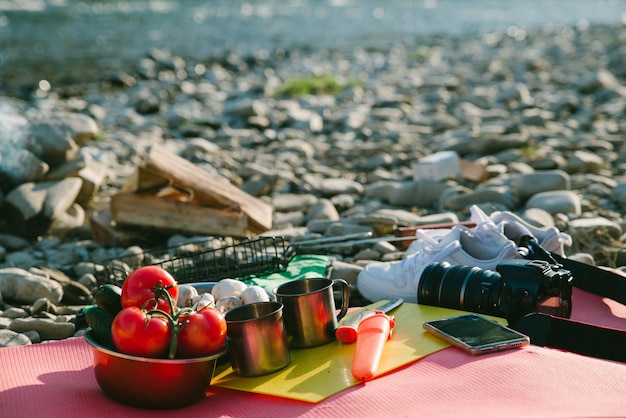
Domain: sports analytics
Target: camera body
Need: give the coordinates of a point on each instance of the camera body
(516, 288)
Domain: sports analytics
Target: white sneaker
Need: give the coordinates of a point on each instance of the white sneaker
(483, 246)
(514, 227)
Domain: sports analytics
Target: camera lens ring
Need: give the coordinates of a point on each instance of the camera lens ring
(450, 280)
(461, 287)
(466, 280)
(425, 292)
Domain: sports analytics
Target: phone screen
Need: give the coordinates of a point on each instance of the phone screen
(476, 334)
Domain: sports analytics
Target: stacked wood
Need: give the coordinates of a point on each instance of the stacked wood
(170, 194)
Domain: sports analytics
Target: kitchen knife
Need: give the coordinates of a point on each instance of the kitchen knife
(348, 330)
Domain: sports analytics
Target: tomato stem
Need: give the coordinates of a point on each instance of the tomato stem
(176, 312)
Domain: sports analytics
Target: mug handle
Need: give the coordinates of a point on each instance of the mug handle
(345, 297)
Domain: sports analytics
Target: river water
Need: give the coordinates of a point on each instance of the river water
(67, 41)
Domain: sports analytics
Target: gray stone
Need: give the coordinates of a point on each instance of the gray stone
(368, 254)
(380, 160)
(526, 185)
(422, 193)
(538, 217)
(584, 258)
(290, 202)
(64, 223)
(51, 141)
(89, 281)
(31, 208)
(260, 185)
(345, 271)
(602, 79)
(13, 242)
(582, 226)
(336, 186)
(10, 338)
(60, 196)
(42, 305)
(382, 190)
(22, 166)
(584, 162)
(289, 219)
(24, 259)
(346, 228)
(5, 321)
(92, 175)
(46, 328)
(15, 312)
(33, 336)
(323, 209)
(20, 285)
(462, 201)
(618, 194)
(559, 201)
(343, 202)
(28, 199)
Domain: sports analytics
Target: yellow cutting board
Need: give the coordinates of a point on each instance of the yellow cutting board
(316, 373)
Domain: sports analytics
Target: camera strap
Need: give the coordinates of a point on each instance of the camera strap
(596, 280)
(577, 337)
(566, 334)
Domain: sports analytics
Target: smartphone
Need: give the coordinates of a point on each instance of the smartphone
(476, 334)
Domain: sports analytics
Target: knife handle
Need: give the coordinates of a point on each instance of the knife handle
(348, 330)
(373, 333)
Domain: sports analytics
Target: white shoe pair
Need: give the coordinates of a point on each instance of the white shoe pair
(484, 246)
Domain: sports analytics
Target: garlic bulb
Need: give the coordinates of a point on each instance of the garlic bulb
(228, 302)
(254, 294)
(202, 301)
(186, 293)
(228, 287)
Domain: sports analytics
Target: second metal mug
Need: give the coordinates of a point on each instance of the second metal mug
(258, 342)
(310, 313)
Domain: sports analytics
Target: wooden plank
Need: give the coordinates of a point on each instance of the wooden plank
(104, 230)
(209, 189)
(179, 216)
(144, 181)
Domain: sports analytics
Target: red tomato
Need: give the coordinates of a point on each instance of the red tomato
(138, 288)
(139, 334)
(202, 333)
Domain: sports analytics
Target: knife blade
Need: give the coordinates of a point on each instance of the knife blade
(348, 330)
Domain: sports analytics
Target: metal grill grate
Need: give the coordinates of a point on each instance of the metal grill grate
(258, 256)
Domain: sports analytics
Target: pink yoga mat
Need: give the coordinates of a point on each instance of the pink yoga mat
(56, 379)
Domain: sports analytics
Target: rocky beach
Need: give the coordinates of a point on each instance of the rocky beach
(328, 139)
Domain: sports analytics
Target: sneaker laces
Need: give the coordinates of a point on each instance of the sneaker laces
(429, 251)
(486, 231)
(565, 239)
(479, 216)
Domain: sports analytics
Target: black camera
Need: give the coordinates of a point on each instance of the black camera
(515, 289)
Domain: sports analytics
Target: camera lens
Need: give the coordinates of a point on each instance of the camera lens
(460, 287)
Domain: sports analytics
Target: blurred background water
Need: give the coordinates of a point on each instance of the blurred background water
(68, 41)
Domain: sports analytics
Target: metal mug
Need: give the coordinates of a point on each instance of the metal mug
(257, 338)
(310, 314)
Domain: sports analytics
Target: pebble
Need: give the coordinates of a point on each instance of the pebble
(10, 338)
(548, 134)
(47, 329)
(556, 201)
(22, 286)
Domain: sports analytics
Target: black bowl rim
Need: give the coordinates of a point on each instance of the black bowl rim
(91, 341)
